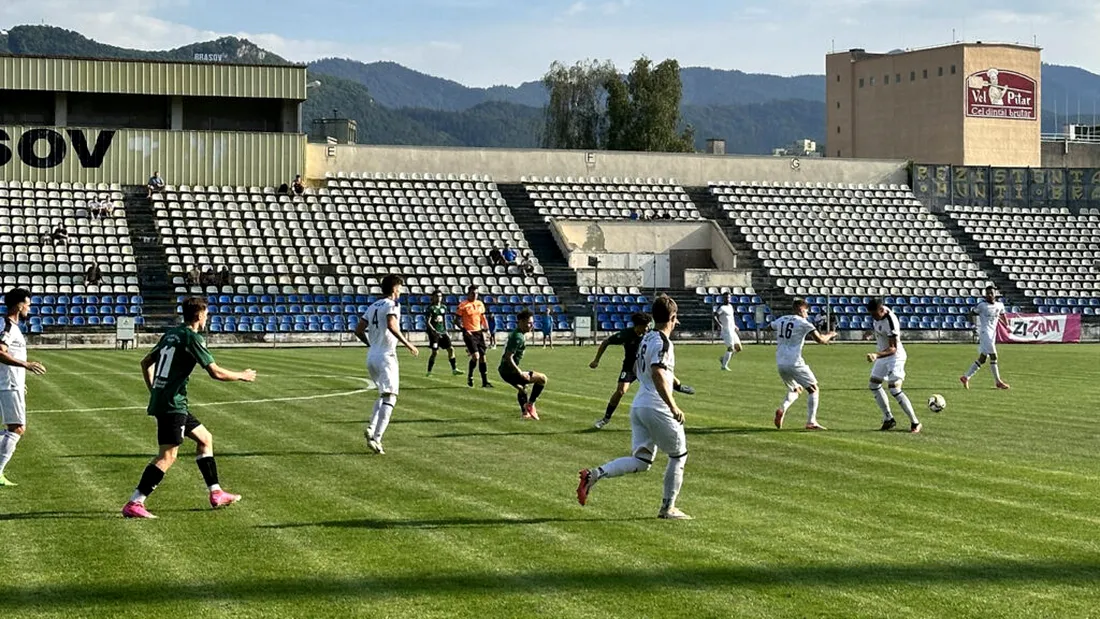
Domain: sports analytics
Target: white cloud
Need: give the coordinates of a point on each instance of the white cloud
(576, 8)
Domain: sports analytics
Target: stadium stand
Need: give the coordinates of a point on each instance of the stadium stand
(841, 243)
(54, 271)
(1051, 254)
(311, 263)
(744, 301)
(610, 198)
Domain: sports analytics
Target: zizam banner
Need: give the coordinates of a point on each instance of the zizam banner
(1040, 329)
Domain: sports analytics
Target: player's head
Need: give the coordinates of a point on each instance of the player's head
(664, 310)
(991, 293)
(549, 311)
(18, 302)
(194, 312)
(471, 293)
(391, 285)
(523, 321)
(641, 321)
(800, 308)
(727, 298)
(437, 297)
(875, 308)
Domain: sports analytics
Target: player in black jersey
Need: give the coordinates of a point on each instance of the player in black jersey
(436, 316)
(629, 339)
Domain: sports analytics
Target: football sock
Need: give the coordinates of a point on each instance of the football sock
(470, 369)
(726, 358)
(880, 399)
(385, 411)
(623, 466)
(373, 423)
(812, 400)
(996, 369)
(8, 439)
(610, 410)
(209, 469)
(431, 362)
(906, 405)
(974, 367)
(674, 478)
(454, 366)
(536, 391)
(483, 368)
(791, 397)
(521, 397)
(150, 479)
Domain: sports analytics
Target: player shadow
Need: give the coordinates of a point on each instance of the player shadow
(521, 433)
(227, 454)
(60, 515)
(442, 582)
(441, 523)
(728, 430)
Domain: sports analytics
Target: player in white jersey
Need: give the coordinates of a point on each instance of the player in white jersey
(990, 312)
(380, 329)
(889, 366)
(727, 324)
(13, 371)
(790, 336)
(655, 420)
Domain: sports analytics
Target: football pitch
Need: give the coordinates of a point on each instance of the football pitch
(991, 512)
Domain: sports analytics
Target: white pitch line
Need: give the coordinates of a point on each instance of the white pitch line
(321, 396)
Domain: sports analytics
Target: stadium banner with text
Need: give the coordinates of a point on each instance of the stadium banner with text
(1040, 329)
(938, 185)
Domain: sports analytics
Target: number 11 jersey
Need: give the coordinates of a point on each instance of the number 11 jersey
(176, 355)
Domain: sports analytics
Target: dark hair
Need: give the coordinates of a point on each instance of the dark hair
(437, 292)
(524, 314)
(15, 296)
(471, 288)
(799, 304)
(389, 282)
(192, 307)
(874, 304)
(663, 309)
(640, 319)
(991, 288)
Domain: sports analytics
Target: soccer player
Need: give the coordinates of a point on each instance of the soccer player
(655, 420)
(548, 329)
(436, 316)
(13, 374)
(471, 319)
(510, 372)
(727, 324)
(380, 329)
(889, 366)
(629, 339)
(790, 336)
(166, 370)
(989, 311)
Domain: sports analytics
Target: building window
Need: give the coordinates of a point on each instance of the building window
(838, 128)
(886, 80)
(838, 105)
(912, 76)
(861, 82)
(940, 72)
(897, 77)
(837, 78)
(952, 69)
(872, 80)
(926, 74)
(838, 153)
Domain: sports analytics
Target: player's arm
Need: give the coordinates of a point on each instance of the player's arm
(822, 338)
(395, 329)
(600, 351)
(229, 376)
(361, 331)
(1003, 319)
(509, 360)
(6, 358)
(458, 319)
(148, 366)
(657, 372)
(891, 349)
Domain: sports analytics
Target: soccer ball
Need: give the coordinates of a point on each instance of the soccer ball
(936, 403)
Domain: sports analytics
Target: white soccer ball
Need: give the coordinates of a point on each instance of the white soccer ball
(936, 403)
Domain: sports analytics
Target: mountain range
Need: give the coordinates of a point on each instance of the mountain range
(397, 105)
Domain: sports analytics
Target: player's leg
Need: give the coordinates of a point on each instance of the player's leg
(995, 369)
(538, 383)
(894, 381)
(13, 415)
(643, 450)
(877, 390)
(208, 466)
(471, 352)
(669, 436)
(482, 363)
(625, 378)
(384, 373)
(171, 429)
(787, 375)
(433, 344)
(9, 438)
(446, 343)
(974, 367)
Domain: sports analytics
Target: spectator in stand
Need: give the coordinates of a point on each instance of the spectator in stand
(298, 185)
(508, 254)
(59, 235)
(156, 184)
(527, 265)
(194, 276)
(496, 258)
(634, 215)
(93, 275)
(208, 277)
(283, 190)
(224, 278)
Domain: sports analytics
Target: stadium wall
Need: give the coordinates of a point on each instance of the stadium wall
(1065, 154)
(129, 156)
(511, 165)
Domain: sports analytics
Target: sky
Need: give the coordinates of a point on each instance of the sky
(487, 42)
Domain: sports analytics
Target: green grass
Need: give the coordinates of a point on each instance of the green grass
(992, 512)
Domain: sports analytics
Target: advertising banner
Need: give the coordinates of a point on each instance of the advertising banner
(1040, 329)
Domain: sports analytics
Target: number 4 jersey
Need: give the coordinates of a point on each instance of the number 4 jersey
(176, 354)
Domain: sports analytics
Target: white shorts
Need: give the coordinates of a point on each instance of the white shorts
(383, 371)
(797, 376)
(889, 369)
(987, 345)
(652, 429)
(13, 408)
(731, 339)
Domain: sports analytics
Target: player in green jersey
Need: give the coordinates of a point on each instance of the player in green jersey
(166, 370)
(509, 367)
(436, 318)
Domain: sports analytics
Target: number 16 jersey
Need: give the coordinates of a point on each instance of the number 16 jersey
(790, 335)
(176, 355)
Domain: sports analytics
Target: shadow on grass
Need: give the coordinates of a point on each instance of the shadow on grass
(443, 585)
(522, 433)
(442, 523)
(229, 454)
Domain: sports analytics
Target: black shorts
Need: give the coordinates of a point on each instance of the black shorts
(438, 340)
(516, 379)
(173, 427)
(626, 375)
(475, 342)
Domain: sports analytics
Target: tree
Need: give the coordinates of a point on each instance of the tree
(576, 116)
(652, 109)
